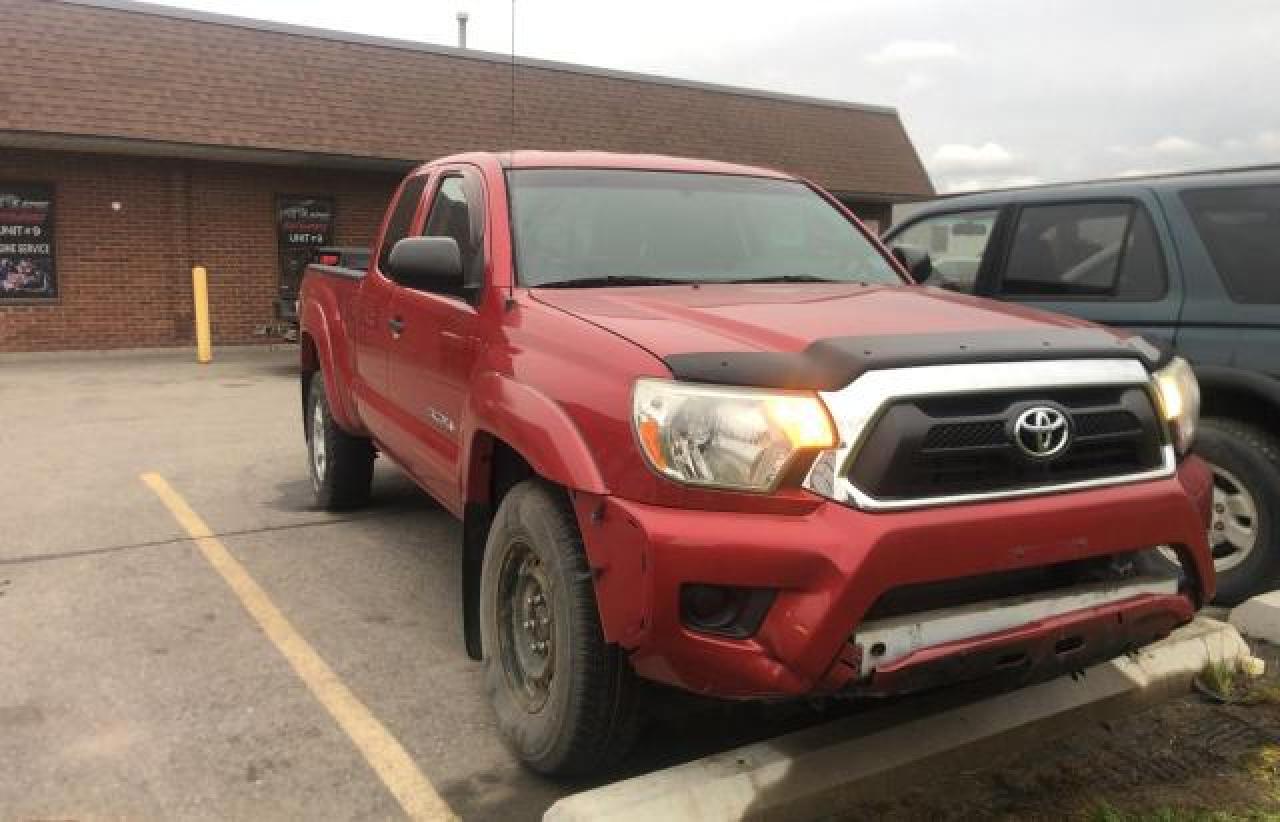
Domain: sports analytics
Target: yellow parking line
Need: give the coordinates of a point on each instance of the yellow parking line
(381, 750)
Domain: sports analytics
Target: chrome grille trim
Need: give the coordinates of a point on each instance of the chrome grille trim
(858, 405)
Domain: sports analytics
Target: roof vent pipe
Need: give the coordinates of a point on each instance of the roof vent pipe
(463, 17)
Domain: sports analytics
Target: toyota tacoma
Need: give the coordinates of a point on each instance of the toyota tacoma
(701, 429)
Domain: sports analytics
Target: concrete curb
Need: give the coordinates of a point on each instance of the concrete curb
(1259, 617)
(817, 771)
(231, 352)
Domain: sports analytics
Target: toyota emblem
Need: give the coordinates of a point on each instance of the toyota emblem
(1042, 432)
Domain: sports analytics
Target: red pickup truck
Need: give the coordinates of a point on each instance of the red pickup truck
(702, 430)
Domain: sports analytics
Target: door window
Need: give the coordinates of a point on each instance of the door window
(452, 215)
(1240, 228)
(956, 244)
(1087, 250)
(400, 223)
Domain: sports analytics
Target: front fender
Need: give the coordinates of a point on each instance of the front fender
(537, 428)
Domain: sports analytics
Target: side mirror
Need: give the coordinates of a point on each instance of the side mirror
(427, 264)
(915, 260)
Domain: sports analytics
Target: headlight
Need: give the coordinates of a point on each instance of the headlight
(1179, 395)
(740, 438)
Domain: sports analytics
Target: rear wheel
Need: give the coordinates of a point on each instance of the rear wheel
(563, 697)
(341, 464)
(1243, 533)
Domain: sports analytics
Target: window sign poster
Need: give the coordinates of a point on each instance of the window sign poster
(26, 243)
(305, 222)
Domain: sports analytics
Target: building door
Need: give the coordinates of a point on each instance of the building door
(303, 223)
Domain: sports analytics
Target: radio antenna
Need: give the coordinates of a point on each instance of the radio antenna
(511, 147)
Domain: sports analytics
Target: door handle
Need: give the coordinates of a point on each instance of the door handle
(396, 324)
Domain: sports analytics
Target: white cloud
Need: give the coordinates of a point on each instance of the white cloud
(987, 183)
(1269, 141)
(913, 51)
(1171, 145)
(1174, 144)
(961, 157)
(918, 81)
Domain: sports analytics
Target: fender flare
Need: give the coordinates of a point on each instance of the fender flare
(538, 429)
(1251, 382)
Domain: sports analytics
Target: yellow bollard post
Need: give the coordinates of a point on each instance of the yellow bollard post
(200, 291)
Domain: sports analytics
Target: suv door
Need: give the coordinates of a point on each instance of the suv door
(1102, 260)
(1229, 240)
(432, 363)
(957, 245)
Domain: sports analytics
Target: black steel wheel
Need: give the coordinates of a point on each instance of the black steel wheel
(563, 697)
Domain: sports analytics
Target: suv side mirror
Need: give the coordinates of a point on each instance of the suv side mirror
(915, 260)
(427, 264)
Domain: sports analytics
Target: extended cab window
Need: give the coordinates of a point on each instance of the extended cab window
(1085, 250)
(1240, 228)
(451, 215)
(602, 226)
(400, 222)
(956, 244)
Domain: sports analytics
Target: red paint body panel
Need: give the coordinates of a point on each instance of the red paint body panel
(780, 317)
(550, 373)
(833, 563)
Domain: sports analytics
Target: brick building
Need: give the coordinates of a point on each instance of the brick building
(137, 141)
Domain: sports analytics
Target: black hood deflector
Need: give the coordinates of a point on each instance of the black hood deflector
(832, 363)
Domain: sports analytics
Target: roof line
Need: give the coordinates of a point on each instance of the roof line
(1132, 178)
(193, 15)
(147, 147)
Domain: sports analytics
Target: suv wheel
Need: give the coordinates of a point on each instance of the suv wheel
(341, 464)
(563, 697)
(1245, 461)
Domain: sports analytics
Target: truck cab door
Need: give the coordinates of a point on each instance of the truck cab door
(1103, 260)
(433, 359)
(373, 332)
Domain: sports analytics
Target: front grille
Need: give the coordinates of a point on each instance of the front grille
(923, 448)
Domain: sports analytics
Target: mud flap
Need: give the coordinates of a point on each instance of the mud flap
(476, 519)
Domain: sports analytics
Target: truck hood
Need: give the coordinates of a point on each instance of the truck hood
(820, 336)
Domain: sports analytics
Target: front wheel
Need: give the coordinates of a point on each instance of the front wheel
(1243, 533)
(563, 697)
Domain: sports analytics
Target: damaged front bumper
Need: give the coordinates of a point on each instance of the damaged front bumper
(838, 581)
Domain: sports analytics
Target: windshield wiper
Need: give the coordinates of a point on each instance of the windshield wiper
(783, 278)
(611, 279)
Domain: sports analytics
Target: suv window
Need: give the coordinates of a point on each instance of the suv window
(398, 225)
(451, 216)
(1085, 250)
(955, 242)
(1240, 228)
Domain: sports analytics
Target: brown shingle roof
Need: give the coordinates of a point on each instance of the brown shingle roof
(126, 70)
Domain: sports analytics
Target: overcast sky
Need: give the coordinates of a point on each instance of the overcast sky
(993, 92)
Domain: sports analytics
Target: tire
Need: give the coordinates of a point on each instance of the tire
(568, 708)
(1246, 499)
(341, 464)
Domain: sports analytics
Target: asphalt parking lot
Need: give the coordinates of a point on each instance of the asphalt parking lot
(299, 664)
(134, 682)
(184, 636)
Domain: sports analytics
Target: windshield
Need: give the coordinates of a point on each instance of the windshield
(621, 226)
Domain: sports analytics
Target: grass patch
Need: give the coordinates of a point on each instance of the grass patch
(1220, 680)
(1110, 813)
